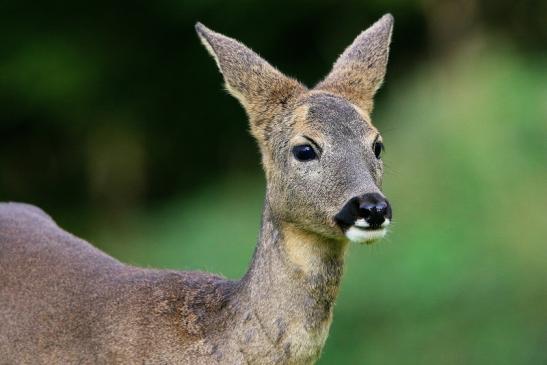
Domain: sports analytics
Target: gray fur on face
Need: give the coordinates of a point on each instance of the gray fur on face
(310, 193)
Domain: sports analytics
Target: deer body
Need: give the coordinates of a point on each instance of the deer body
(64, 301)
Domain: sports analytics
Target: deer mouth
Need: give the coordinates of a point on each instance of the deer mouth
(364, 225)
(365, 235)
(363, 232)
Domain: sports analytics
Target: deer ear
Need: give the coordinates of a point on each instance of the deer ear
(359, 71)
(262, 90)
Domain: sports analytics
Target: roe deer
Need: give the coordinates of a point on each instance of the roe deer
(63, 301)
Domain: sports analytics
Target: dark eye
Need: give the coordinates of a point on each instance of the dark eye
(304, 152)
(378, 148)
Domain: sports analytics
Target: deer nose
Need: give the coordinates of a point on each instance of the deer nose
(374, 209)
(368, 211)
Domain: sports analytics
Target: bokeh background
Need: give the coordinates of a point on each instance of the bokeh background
(113, 119)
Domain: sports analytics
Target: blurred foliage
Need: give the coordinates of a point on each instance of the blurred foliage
(117, 105)
(113, 119)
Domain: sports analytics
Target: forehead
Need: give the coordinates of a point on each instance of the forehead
(332, 116)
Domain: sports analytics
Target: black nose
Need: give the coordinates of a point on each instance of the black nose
(371, 207)
(374, 208)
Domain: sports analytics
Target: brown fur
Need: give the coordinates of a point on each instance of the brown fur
(64, 301)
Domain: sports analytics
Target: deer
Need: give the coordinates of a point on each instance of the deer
(63, 301)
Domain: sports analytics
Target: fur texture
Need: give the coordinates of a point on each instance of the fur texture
(64, 301)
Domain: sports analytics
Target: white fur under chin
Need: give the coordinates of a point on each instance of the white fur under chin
(359, 235)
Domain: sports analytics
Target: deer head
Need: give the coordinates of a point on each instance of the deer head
(320, 151)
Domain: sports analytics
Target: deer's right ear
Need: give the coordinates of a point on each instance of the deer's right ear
(262, 90)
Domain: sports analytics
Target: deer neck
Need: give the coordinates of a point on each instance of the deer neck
(285, 300)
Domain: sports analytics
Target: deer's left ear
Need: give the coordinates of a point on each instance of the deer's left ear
(359, 71)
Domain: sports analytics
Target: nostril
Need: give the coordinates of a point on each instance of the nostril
(375, 220)
(381, 207)
(366, 210)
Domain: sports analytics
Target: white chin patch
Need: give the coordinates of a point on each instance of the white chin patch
(364, 236)
(359, 232)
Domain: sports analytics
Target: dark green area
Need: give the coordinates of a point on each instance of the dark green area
(113, 119)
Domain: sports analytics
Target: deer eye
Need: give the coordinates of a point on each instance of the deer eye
(378, 148)
(304, 152)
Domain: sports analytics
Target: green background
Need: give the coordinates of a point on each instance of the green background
(113, 119)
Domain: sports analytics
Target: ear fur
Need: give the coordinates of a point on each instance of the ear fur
(262, 90)
(359, 71)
